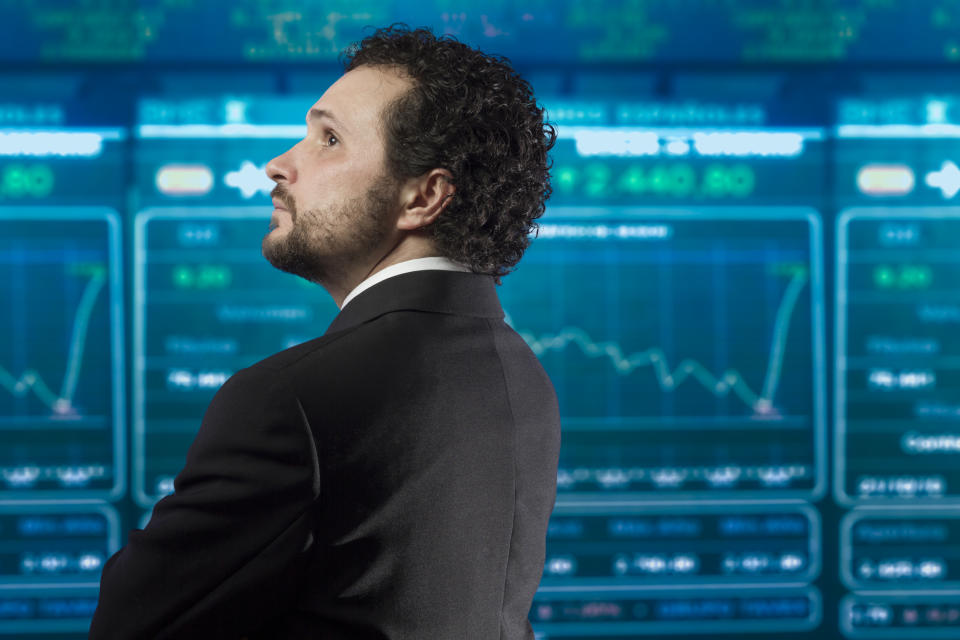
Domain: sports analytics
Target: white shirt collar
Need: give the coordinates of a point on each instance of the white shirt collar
(417, 264)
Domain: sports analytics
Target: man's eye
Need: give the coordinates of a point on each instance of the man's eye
(332, 140)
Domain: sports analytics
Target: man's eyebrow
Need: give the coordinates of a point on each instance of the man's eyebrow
(316, 113)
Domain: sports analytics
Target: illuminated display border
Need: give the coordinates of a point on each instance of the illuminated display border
(558, 214)
(840, 423)
(118, 374)
(13, 628)
(67, 508)
(914, 633)
(846, 548)
(680, 627)
(620, 214)
(142, 219)
(698, 508)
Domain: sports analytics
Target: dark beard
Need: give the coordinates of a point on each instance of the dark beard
(312, 251)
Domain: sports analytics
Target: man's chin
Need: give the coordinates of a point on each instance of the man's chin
(284, 255)
(276, 251)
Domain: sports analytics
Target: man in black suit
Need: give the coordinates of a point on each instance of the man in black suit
(393, 478)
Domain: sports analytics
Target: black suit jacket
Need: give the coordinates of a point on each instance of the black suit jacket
(391, 479)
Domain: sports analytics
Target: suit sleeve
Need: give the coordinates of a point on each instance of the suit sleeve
(222, 553)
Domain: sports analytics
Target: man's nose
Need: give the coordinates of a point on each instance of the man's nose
(281, 169)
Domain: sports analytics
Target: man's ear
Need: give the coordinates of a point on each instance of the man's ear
(423, 199)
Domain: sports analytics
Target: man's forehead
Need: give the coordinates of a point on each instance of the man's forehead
(359, 95)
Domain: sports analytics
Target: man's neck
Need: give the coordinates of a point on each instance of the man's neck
(410, 247)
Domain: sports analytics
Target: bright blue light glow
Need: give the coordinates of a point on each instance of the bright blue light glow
(748, 143)
(250, 180)
(947, 179)
(50, 143)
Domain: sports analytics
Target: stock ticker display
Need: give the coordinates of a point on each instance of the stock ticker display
(204, 306)
(637, 319)
(543, 30)
(895, 423)
(749, 312)
(686, 343)
(60, 369)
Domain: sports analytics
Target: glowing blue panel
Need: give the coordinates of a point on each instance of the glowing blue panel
(630, 163)
(901, 550)
(207, 304)
(558, 32)
(898, 152)
(897, 413)
(686, 348)
(685, 544)
(916, 617)
(584, 614)
(48, 544)
(32, 610)
(61, 368)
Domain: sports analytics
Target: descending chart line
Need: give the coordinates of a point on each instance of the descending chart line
(729, 381)
(30, 380)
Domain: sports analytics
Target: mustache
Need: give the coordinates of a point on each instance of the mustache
(281, 194)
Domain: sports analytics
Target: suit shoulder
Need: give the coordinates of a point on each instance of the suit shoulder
(291, 356)
(269, 372)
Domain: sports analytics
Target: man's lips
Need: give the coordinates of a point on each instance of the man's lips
(278, 206)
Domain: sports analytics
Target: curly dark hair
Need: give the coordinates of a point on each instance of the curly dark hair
(472, 114)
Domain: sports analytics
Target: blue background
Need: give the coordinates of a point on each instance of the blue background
(744, 289)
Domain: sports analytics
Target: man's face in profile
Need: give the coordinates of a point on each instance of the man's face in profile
(335, 203)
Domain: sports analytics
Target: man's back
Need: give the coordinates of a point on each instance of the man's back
(394, 478)
(432, 477)
(419, 491)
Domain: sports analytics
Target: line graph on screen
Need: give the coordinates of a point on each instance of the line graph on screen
(684, 362)
(729, 381)
(30, 381)
(60, 359)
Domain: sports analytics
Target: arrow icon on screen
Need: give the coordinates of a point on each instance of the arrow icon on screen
(249, 179)
(947, 179)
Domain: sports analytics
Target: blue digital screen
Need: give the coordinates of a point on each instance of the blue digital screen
(539, 30)
(656, 325)
(896, 331)
(205, 307)
(744, 290)
(61, 374)
(692, 612)
(669, 545)
(51, 545)
(900, 548)
(51, 611)
(878, 615)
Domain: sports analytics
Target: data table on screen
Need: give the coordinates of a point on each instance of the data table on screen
(52, 544)
(560, 32)
(635, 161)
(898, 310)
(29, 610)
(594, 613)
(901, 550)
(685, 346)
(56, 165)
(61, 365)
(653, 546)
(207, 304)
(894, 617)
